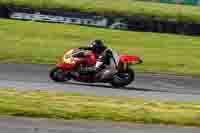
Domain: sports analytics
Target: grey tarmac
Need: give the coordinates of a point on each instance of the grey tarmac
(28, 125)
(149, 86)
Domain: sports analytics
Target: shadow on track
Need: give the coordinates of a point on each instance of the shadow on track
(128, 88)
(109, 86)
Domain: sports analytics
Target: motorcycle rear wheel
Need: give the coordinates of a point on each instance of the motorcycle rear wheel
(123, 79)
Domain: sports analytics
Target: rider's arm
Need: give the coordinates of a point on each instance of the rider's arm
(104, 59)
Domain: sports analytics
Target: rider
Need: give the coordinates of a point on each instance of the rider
(106, 62)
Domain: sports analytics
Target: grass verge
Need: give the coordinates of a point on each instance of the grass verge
(121, 7)
(43, 43)
(74, 106)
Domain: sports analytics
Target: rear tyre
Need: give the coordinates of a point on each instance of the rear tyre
(57, 75)
(123, 79)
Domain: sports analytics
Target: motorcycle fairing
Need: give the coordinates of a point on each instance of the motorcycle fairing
(69, 61)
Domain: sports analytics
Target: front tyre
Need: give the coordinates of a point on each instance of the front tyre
(57, 75)
(123, 78)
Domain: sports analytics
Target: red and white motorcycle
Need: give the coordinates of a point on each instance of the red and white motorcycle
(70, 65)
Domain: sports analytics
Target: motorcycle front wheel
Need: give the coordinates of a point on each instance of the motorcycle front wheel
(123, 79)
(57, 75)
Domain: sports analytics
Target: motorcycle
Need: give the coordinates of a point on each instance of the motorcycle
(71, 64)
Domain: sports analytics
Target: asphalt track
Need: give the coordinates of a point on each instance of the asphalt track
(27, 125)
(149, 86)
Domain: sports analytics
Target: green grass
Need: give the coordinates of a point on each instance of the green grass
(74, 106)
(42, 43)
(109, 7)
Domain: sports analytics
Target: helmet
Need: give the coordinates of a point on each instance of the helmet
(97, 46)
